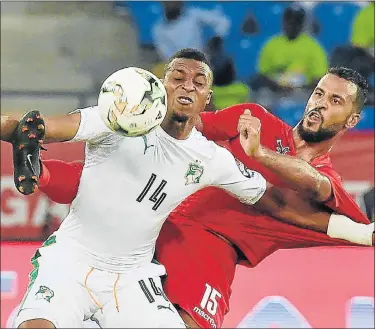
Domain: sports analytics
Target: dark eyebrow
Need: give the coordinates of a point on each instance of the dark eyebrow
(338, 96)
(201, 75)
(180, 71)
(334, 95)
(197, 75)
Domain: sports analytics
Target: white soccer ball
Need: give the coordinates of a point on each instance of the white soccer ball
(132, 101)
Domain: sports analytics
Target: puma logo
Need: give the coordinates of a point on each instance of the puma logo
(162, 306)
(146, 144)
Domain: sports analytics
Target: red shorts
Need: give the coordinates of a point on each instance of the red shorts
(200, 270)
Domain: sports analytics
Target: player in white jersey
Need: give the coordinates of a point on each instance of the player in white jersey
(98, 264)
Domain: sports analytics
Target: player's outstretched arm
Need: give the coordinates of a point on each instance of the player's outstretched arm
(296, 173)
(8, 125)
(58, 128)
(283, 204)
(61, 128)
(80, 125)
(288, 206)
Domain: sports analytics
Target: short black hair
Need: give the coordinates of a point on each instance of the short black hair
(188, 53)
(357, 79)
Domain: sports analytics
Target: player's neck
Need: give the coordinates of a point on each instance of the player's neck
(177, 129)
(309, 151)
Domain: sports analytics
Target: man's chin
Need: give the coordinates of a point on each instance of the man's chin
(180, 116)
(184, 110)
(317, 135)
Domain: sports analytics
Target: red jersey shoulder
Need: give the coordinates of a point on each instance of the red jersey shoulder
(324, 165)
(275, 133)
(223, 125)
(257, 110)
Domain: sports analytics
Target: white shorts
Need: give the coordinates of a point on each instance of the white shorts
(67, 292)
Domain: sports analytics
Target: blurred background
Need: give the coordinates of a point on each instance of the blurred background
(55, 56)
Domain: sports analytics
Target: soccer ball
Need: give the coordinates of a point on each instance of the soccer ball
(132, 101)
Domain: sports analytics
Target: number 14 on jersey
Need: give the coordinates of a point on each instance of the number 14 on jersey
(157, 197)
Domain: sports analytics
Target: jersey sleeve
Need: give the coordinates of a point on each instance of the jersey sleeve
(233, 176)
(59, 180)
(223, 125)
(341, 201)
(92, 129)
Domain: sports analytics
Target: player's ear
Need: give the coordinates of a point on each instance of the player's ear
(353, 120)
(209, 97)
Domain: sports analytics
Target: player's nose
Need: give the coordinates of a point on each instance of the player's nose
(322, 103)
(189, 85)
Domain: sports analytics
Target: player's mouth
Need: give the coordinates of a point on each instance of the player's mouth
(185, 100)
(314, 117)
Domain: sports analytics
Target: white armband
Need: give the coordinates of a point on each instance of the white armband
(342, 227)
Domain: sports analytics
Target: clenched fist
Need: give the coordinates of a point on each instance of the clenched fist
(249, 129)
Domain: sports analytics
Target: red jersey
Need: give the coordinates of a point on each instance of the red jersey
(255, 234)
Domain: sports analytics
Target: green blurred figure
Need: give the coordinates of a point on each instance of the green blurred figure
(363, 29)
(292, 59)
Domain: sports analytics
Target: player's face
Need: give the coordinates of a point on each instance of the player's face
(330, 109)
(187, 83)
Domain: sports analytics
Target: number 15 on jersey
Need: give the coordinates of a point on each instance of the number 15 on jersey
(209, 301)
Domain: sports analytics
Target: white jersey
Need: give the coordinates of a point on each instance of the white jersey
(129, 185)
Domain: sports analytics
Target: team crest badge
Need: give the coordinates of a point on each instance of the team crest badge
(194, 173)
(44, 293)
(280, 148)
(244, 170)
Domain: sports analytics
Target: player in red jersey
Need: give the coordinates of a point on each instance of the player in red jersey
(287, 156)
(219, 233)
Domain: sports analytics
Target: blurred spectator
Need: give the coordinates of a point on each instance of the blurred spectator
(363, 29)
(216, 53)
(293, 59)
(182, 28)
(226, 90)
(250, 25)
